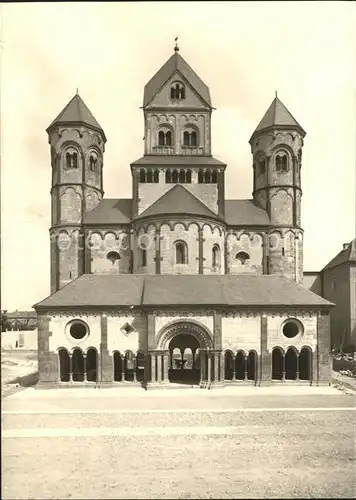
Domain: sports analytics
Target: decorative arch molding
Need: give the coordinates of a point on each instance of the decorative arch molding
(281, 349)
(192, 327)
(71, 144)
(80, 132)
(287, 190)
(71, 188)
(282, 146)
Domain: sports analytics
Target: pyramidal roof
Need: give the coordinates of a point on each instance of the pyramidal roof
(76, 111)
(175, 63)
(277, 115)
(178, 200)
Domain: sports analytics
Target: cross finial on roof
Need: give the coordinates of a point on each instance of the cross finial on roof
(77, 91)
(275, 93)
(176, 48)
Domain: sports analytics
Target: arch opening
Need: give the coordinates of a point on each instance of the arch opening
(184, 365)
(277, 364)
(305, 364)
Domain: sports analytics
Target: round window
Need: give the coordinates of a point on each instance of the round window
(291, 328)
(78, 329)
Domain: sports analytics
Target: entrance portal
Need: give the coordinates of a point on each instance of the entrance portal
(184, 359)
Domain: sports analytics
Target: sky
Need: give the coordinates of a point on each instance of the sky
(243, 51)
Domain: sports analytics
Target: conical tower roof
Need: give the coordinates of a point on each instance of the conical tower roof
(76, 112)
(277, 115)
(175, 63)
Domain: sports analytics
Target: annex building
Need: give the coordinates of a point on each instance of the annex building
(178, 284)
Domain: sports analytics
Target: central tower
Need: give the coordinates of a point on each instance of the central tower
(177, 119)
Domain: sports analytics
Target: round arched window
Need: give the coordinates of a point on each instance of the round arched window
(77, 329)
(291, 328)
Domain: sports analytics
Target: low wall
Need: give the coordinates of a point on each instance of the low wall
(22, 340)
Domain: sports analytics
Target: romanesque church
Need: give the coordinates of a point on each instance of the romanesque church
(177, 284)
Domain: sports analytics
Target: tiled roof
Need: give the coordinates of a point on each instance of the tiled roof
(175, 63)
(346, 255)
(76, 111)
(245, 212)
(110, 211)
(115, 291)
(179, 160)
(277, 115)
(21, 315)
(178, 200)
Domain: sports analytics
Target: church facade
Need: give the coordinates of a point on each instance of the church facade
(178, 284)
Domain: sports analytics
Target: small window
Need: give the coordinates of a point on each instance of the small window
(161, 138)
(177, 91)
(181, 253)
(156, 177)
(143, 252)
(281, 162)
(142, 176)
(127, 329)
(243, 257)
(200, 177)
(214, 177)
(333, 285)
(207, 177)
(261, 166)
(216, 256)
(175, 176)
(165, 137)
(188, 177)
(93, 160)
(149, 177)
(168, 177)
(182, 176)
(113, 257)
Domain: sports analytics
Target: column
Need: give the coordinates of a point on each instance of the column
(159, 367)
(234, 370)
(245, 376)
(265, 358)
(165, 366)
(216, 367)
(158, 251)
(297, 373)
(153, 368)
(85, 376)
(70, 367)
(209, 366)
(202, 366)
(135, 367)
(201, 251)
(122, 368)
(222, 367)
(284, 368)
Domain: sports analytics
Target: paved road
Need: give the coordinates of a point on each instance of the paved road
(258, 442)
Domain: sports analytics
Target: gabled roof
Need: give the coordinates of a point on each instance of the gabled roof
(178, 200)
(245, 213)
(115, 291)
(277, 115)
(76, 111)
(203, 161)
(175, 63)
(347, 255)
(110, 211)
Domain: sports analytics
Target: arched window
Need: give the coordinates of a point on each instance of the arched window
(175, 176)
(190, 137)
(93, 160)
(181, 252)
(72, 160)
(207, 178)
(169, 138)
(149, 176)
(200, 177)
(261, 163)
(281, 161)
(214, 177)
(182, 176)
(161, 138)
(168, 177)
(242, 257)
(165, 137)
(216, 256)
(113, 257)
(177, 91)
(142, 176)
(188, 177)
(156, 177)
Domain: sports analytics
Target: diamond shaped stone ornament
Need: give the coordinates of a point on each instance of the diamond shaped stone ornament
(127, 329)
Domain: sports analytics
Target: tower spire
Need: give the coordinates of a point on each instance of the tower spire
(176, 48)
